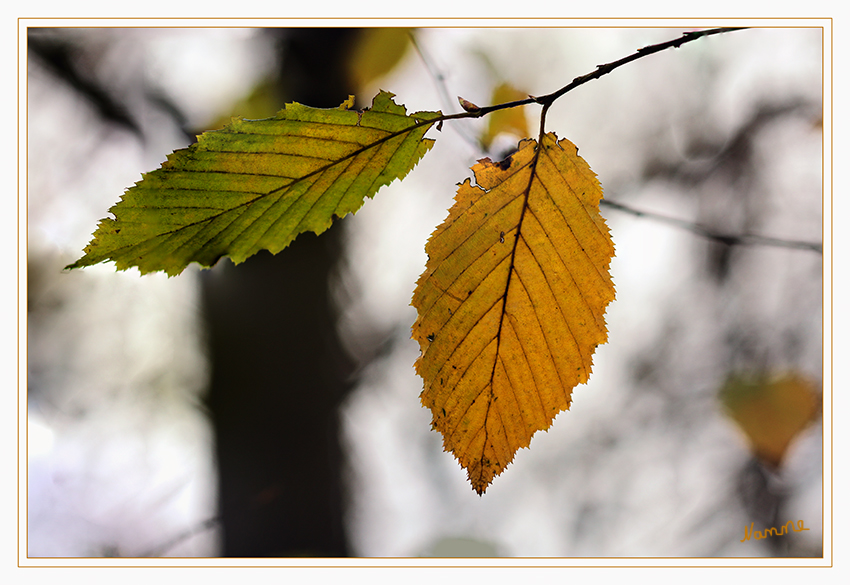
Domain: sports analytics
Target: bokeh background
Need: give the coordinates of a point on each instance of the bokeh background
(271, 408)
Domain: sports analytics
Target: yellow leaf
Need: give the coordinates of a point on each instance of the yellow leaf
(512, 301)
(770, 410)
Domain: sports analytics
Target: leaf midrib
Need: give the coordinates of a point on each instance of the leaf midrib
(292, 181)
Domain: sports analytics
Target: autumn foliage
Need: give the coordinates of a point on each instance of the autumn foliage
(511, 306)
(257, 184)
(512, 302)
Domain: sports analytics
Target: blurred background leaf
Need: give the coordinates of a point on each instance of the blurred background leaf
(771, 410)
(511, 120)
(375, 52)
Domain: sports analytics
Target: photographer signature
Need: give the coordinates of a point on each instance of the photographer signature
(772, 531)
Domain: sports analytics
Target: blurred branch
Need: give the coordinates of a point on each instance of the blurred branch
(163, 548)
(728, 239)
(60, 57)
(709, 154)
(442, 88)
(436, 75)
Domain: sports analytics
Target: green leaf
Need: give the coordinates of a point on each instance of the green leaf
(256, 184)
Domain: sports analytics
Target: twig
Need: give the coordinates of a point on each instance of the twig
(645, 51)
(546, 100)
(601, 70)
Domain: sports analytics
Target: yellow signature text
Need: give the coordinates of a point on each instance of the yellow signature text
(772, 531)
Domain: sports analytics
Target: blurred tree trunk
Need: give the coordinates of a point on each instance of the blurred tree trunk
(278, 370)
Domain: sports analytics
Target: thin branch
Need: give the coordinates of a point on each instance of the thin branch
(599, 72)
(548, 99)
(645, 51)
(706, 232)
